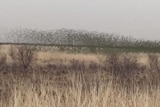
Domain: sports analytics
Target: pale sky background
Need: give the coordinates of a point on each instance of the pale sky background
(138, 18)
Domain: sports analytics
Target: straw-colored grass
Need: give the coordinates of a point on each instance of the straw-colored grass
(40, 91)
(75, 88)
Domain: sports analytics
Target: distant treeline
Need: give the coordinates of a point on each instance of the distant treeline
(95, 41)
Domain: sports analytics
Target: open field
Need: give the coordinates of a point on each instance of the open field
(56, 79)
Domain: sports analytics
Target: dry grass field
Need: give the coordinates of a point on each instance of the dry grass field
(57, 79)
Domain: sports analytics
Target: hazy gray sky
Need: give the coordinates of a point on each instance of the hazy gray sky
(139, 18)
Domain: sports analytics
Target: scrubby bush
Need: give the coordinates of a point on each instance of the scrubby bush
(23, 55)
(3, 60)
(153, 60)
(122, 65)
(112, 62)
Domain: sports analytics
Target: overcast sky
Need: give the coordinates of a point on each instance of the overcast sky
(138, 18)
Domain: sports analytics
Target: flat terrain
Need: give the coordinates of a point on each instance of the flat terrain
(60, 79)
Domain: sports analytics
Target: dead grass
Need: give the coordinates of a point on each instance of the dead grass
(56, 56)
(79, 80)
(70, 90)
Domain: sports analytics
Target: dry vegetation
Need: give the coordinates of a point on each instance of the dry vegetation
(30, 78)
